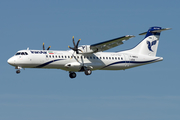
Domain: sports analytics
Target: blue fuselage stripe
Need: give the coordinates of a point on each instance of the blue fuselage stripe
(119, 62)
(47, 63)
(136, 62)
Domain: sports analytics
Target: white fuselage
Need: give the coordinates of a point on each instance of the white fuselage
(88, 58)
(70, 61)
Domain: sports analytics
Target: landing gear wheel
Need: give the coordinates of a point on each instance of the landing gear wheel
(72, 75)
(18, 71)
(87, 72)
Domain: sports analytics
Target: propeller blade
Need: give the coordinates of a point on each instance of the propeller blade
(72, 55)
(75, 48)
(43, 47)
(77, 43)
(48, 47)
(71, 48)
(73, 41)
(80, 50)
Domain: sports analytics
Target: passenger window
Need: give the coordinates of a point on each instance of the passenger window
(56, 56)
(65, 56)
(62, 56)
(107, 58)
(53, 56)
(118, 58)
(90, 57)
(49, 56)
(121, 58)
(46, 56)
(59, 56)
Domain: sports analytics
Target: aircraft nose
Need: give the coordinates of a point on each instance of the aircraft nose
(10, 61)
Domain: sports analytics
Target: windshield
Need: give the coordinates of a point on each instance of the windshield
(21, 53)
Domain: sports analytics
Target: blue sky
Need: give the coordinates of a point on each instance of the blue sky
(143, 93)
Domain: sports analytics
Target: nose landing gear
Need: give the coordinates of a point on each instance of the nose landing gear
(18, 71)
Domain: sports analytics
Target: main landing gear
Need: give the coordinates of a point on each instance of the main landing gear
(72, 74)
(86, 72)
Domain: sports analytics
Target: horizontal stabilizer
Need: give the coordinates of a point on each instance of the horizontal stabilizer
(144, 33)
(160, 30)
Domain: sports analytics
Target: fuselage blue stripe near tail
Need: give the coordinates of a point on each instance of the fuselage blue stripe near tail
(135, 62)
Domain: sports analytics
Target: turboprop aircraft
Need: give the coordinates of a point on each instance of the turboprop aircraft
(87, 58)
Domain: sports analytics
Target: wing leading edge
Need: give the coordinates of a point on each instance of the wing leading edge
(109, 43)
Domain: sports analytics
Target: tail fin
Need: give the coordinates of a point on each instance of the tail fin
(148, 46)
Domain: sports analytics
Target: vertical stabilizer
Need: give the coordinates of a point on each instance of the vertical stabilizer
(148, 46)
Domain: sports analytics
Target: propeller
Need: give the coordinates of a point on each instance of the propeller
(47, 48)
(75, 48)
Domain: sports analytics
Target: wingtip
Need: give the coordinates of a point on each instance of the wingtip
(168, 28)
(131, 36)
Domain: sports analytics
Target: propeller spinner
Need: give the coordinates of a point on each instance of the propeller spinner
(47, 48)
(75, 48)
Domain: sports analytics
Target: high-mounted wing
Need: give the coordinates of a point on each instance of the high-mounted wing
(109, 44)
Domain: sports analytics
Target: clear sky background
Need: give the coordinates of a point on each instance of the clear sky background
(149, 92)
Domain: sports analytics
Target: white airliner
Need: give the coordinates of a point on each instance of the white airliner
(87, 58)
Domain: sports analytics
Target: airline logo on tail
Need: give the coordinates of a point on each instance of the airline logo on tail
(150, 44)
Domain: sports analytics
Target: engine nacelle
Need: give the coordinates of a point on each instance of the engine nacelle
(85, 49)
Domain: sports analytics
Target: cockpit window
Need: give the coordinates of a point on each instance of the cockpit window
(21, 53)
(18, 53)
